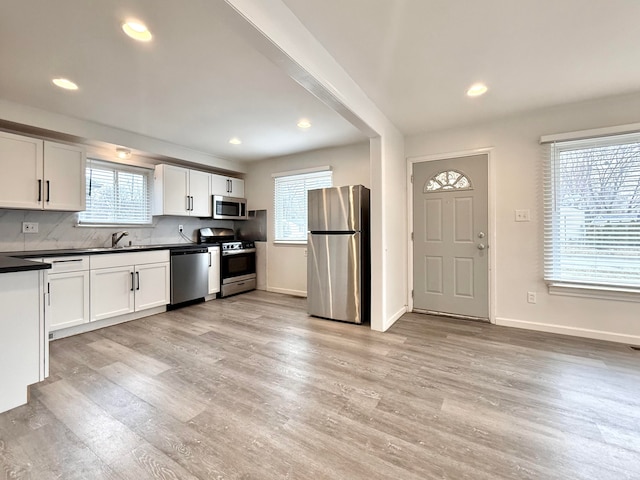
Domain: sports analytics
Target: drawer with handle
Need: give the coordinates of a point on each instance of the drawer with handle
(67, 264)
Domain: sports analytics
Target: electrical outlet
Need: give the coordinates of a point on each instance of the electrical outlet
(29, 227)
(180, 228)
(522, 216)
(531, 297)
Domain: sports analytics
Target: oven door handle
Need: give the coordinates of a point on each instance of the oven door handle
(238, 252)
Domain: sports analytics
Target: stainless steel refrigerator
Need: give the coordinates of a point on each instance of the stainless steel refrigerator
(338, 261)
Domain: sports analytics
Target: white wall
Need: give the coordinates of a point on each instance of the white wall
(517, 158)
(274, 30)
(97, 134)
(287, 264)
(59, 230)
(389, 216)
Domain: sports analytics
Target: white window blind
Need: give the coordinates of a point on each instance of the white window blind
(117, 195)
(592, 212)
(290, 203)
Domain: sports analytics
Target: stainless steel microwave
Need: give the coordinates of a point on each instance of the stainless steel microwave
(229, 208)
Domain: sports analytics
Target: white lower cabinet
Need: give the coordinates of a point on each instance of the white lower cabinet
(123, 283)
(112, 292)
(152, 285)
(67, 288)
(214, 270)
(68, 299)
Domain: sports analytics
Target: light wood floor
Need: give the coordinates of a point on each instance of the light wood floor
(249, 387)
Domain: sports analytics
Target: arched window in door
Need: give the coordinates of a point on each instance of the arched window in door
(447, 180)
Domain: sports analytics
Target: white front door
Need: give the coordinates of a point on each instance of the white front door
(450, 222)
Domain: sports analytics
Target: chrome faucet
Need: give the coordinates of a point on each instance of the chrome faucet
(116, 237)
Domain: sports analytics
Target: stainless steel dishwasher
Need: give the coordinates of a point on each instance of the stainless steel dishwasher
(189, 274)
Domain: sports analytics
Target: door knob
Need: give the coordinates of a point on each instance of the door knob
(481, 235)
(481, 246)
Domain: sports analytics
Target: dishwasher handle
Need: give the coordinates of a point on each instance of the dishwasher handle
(186, 251)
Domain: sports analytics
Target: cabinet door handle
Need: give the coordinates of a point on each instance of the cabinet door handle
(67, 261)
(49, 294)
(209, 259)
(39, 190)
(48, 190)
(132, 281)
(188, 203)
(138, 279)
(192, 204)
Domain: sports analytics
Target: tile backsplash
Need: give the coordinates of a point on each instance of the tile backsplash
(60, 230)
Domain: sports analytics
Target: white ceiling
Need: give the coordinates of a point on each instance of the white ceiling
(416, 58)
(199, 83)
(196, 84)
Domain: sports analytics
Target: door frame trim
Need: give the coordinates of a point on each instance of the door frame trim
(491, 211)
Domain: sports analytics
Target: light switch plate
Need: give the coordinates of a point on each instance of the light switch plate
(523, 216)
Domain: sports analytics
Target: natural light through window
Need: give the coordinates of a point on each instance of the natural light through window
(290, 202)
(447, 180)
(117, 195)
(592, 212)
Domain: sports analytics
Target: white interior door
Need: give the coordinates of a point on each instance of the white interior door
(450, 221)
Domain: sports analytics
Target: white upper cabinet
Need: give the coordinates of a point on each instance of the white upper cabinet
(171, 190)
(180, 191)
(21, 164)
(64, 177)
(227, 186)
(200, 191)
(40, 174)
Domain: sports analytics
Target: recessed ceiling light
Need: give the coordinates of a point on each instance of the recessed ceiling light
(123, 153)
(64, 83)
(235, 141)
(304, 124)
(477, 90)
(137, 31)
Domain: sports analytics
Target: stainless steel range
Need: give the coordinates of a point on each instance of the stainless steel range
(237, 267)
(237, 260)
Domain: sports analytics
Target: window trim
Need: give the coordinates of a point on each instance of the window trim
(594, 291)
(125, 168)
(293, 173)
(579, 289)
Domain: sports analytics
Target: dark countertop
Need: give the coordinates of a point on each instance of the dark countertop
(65, 252)
(11, 264)
(18, 261)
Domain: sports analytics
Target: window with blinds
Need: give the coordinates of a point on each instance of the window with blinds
(290, 203)
(117, 195)
(592, 212)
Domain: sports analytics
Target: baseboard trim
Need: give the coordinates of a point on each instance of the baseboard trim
(107, 322)
(573, 331)
(394, 318)
(287, 291)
